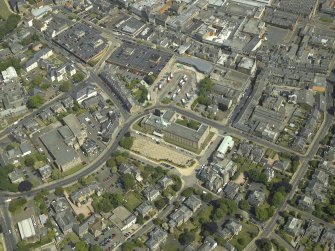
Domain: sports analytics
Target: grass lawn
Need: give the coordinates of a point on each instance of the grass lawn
(138, 127)
(166, 101)
(171, 244)
(1, 247)
(5, 12)
(133, 201)
(72, 170)
(249, 231)
(72, 188)
(326, 19)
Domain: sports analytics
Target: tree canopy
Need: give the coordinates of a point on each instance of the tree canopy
(35, 101)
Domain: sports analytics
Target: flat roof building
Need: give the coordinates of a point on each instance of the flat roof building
(164, 126)
(26, 229)
(226, 144)
(64, 156)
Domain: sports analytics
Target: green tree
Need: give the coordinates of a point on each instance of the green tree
(81, 246)
(81, 218)
(211, 227)
(207, 197)
(244, 205)
(140, 219)
(95, 248)
(127, 246)
(264, 213)
(204, 215)
(127, 181)
(65, 86)
(17, 204)
(59, 191)
(56, 174)
(158, 221)
(78, 77)
(9, 25)
(187, 192)
(127, 142)
(111, 163)
(257, 176)
(264, 244)
(277, 199)
(35, 101)
(29, 161)
(187, 237)
(241, 241)
(160, 203)
(220, 241)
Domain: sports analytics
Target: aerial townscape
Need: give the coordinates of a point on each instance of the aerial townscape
(167, 125)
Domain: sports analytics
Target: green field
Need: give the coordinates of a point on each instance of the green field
(5, 12)
(133, 201)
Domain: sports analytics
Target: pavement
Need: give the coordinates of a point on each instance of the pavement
(6, 223)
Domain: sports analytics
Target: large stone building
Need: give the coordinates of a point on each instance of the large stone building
(163, 124)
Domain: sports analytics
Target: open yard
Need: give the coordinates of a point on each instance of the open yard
(132, 201)
(159, 152)
(240, 241)
(5, 12)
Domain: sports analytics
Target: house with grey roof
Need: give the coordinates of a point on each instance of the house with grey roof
(231, 228)
(293, 226)
(86, 92)
(281, 165)
(321, 176)
(208, 245)
(144, 209)
(180, 216)
(156, 238)
(45, 171)
(150, 193)
(82, 195)
(16, 176)
(65, 221)
(328, 236)
(313, 231)
(316, 190)
(306, 203)
(256, 198)
(193, 203)
(231, 190)
(165, 181)
(67, 102)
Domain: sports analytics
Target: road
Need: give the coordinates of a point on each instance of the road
(5, 222)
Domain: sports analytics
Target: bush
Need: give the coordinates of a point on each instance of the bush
(65, 86)
(59, 191)
(127, 181)
(127, 142)
(187, 237)
(15, 205)
(35, 101)
(29, 161)
(244, 205)
(187, 192)
(78, 77)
